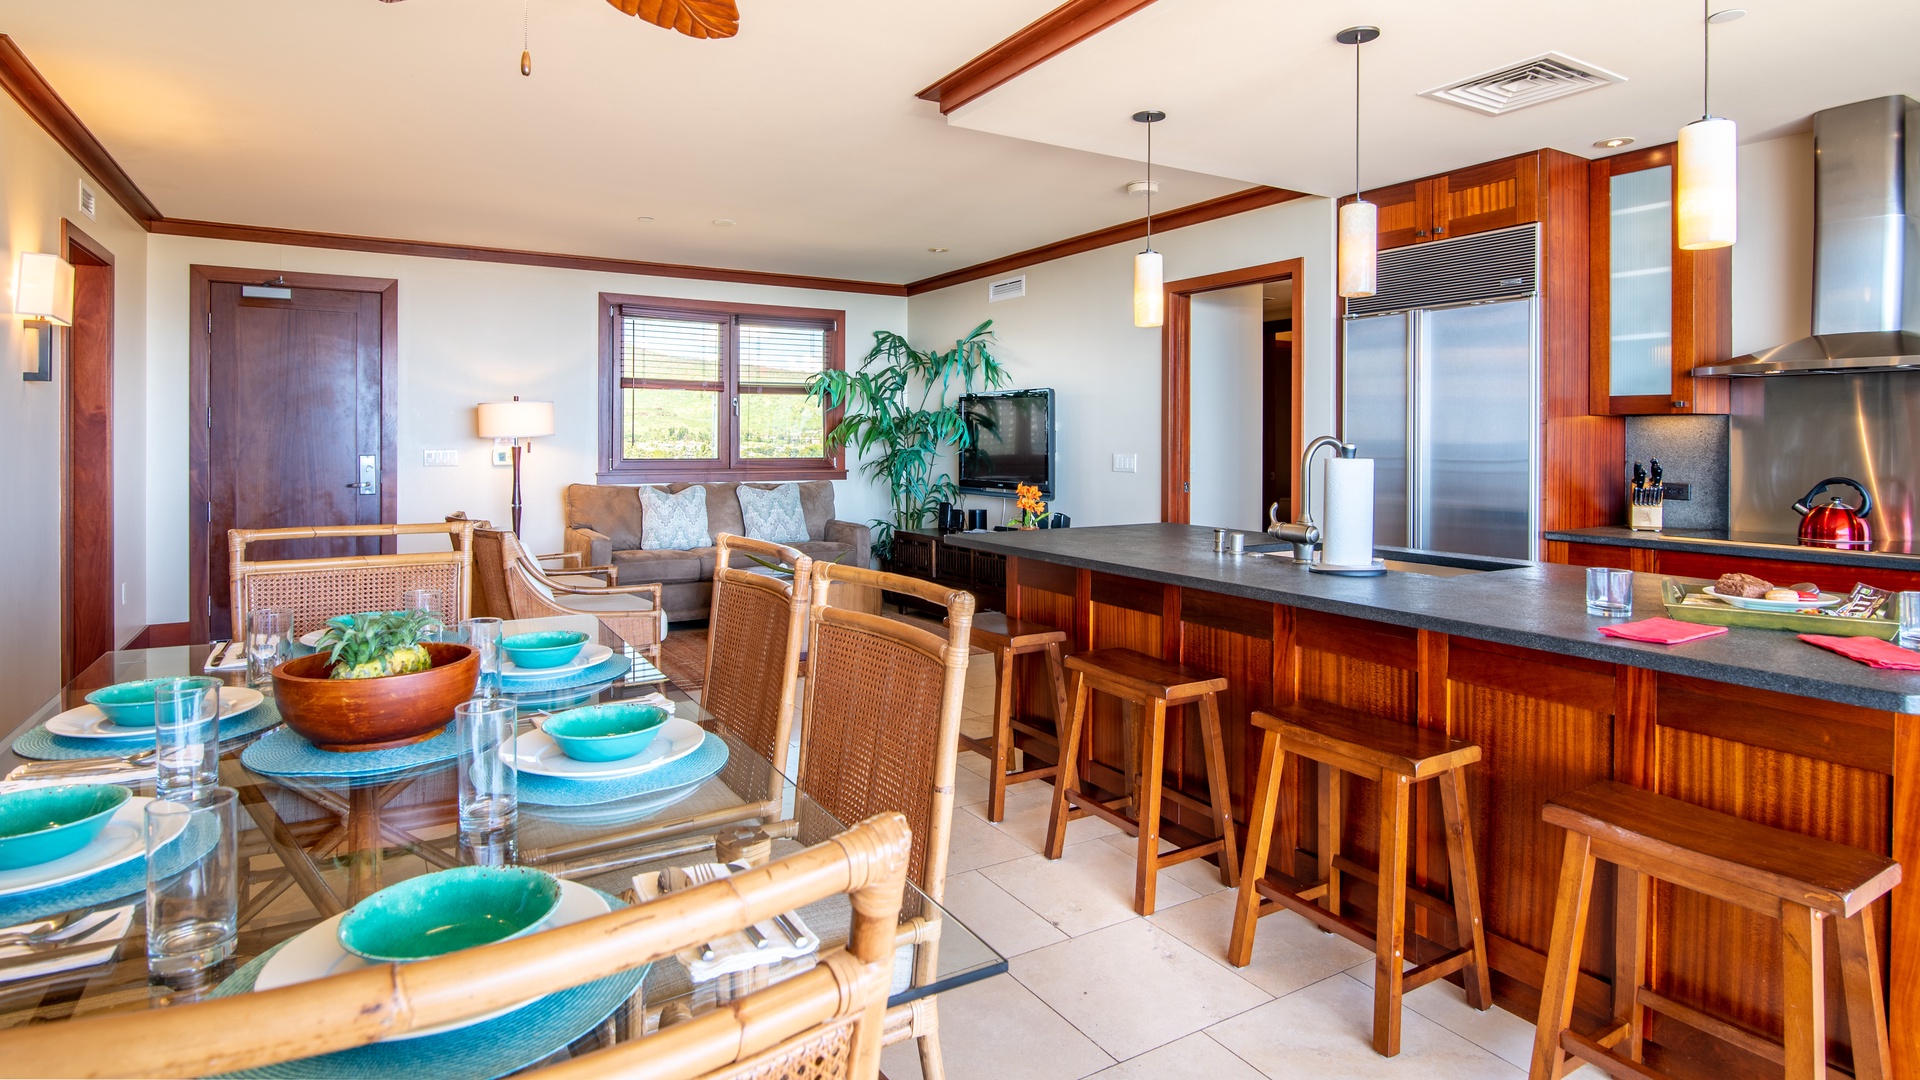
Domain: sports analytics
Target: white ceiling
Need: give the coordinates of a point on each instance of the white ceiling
(1260, 91)
(411, 120)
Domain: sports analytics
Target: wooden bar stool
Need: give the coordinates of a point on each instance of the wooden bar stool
(1151, 685)
(1799, 880)
(1007, 639)
(1395, 756)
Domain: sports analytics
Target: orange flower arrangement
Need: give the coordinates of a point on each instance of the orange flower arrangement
(1027, 500)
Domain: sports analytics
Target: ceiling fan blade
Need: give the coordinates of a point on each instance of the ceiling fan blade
(694, 18)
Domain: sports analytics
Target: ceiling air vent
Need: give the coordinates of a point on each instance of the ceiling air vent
(1530, 82)
(1011, 289)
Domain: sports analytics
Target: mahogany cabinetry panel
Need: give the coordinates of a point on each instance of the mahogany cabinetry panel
(1700, 564)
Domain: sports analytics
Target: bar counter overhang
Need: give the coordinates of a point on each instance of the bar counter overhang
(1753, 723)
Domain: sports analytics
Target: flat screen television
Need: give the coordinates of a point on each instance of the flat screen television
(1012, 437)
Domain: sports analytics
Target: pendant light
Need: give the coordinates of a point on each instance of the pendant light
(1149, 279)
(1359, 219)
(1707, 201)
(526, 39)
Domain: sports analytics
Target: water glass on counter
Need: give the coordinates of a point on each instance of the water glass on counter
(1609, 592)
(186, 729)
(489, 788)
(193, 883)
(269, 644)
(1907, 604)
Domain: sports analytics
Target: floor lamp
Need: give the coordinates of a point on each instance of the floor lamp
(520, 421)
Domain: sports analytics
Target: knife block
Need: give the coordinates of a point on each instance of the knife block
(1644, 518)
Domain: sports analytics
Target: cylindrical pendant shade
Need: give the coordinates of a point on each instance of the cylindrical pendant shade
(1359, 246)
(1707, 204)
(514, 419)
(1149, 289)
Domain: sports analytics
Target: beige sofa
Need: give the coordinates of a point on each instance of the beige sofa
(603, 525)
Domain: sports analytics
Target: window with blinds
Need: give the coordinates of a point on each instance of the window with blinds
(701, 392)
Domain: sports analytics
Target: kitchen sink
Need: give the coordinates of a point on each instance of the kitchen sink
(1411, 560)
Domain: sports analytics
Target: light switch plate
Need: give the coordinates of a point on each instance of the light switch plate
(1126, 463)
(442, 459)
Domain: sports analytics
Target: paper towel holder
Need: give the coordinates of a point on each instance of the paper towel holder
(1304, 534)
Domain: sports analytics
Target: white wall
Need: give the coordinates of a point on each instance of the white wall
(1074, 332)
(39, 185)
(1773, 258)
(1227, 382)
(469, 332)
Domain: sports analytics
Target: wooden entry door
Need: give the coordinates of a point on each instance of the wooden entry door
(297, 420)
(86, 566)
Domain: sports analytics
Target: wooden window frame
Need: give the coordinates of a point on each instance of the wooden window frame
(730, 465)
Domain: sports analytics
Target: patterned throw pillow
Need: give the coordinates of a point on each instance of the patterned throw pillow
(673, 522)
(773, 514)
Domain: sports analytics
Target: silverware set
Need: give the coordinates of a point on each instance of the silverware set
(93, 766)
(673, 879)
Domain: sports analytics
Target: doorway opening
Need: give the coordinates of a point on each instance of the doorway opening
(1231, 396)
(87, 590)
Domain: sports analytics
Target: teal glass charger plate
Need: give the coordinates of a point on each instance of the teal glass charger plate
(613, 667)
(284, 753)
(485, 1050)
(695, 767)
(129, 879)
(46, 746)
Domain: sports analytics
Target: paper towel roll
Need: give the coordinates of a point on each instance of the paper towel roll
(1347, 535)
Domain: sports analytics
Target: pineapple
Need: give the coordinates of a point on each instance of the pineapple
(377, 644)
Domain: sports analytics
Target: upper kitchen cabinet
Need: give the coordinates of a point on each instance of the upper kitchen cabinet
(1475, 199)
(1658, 312)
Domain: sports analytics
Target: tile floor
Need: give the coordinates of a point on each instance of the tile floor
(1093, 990)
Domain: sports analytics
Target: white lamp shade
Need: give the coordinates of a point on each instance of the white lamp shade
(43, 288)
(1707, 204)
(514, 419)
(1359, 248)
(1149, 289)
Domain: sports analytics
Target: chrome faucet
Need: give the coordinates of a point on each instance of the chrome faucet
(1303, 534)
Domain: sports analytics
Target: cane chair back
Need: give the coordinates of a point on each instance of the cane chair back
(755, 632)
(631, 612)
(881, 726)
(316, 590)
(827, 1021)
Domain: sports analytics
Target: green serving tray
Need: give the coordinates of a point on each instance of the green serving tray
(1715, 613)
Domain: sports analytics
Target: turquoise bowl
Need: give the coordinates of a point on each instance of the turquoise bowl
(544, 648)
(129, 704)
(40, 825)
(607, 732)
(436, 914)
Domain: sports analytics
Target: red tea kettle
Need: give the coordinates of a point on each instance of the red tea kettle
(1835, 524)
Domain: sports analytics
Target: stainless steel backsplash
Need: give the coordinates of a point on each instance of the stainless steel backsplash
(1791, 432)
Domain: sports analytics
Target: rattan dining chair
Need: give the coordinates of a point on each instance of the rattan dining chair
(826, 1021)
(515, 586)
(756, 629)
(316, 590)
(880, 731)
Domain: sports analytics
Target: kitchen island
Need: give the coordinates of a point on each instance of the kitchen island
(1752, 723)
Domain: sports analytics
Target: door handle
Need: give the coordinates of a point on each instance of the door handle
(369, 483)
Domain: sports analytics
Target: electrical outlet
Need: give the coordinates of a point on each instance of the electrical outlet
(1677, 492)
(1126, 463)
(442, 459)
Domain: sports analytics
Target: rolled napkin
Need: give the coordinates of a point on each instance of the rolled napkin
(1662, 631)
(86, 949)
(1871, 651)
(734, 952)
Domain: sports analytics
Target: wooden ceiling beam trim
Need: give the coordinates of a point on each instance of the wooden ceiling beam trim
(1238, 202)
(38, 98)
(1036, 43)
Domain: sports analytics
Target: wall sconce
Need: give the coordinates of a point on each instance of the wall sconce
(43, 296)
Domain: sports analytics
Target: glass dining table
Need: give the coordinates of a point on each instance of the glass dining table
(312, 846)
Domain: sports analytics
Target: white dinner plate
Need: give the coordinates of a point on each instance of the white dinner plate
(536, 753)
(123, 839)
(618, 812)
(1753, 603)
(317, 954)
(311, 639)
(589, 656)
(88, 722)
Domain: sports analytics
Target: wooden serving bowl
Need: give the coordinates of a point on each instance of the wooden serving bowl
(374, 714)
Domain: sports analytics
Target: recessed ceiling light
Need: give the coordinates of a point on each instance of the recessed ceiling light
(1726, 16)
(1614, 144)
(724, 222)
(937, 251)
(644, 217)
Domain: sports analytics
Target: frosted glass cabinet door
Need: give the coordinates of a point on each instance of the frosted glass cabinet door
(1375, 415)
(1640, 285)
(1474, 482)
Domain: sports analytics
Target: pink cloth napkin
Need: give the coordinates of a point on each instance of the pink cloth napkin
(1871, 651)
(1662, 631)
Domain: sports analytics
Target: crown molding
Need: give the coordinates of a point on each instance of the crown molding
(38, 98)
(1034, 44)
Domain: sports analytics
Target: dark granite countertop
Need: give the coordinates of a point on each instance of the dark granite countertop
(1536, 606)
(1893, 554)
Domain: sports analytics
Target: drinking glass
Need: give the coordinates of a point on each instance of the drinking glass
(186, 728)
(1609, 591)
(488, 782)
(1909, 608)
(269, 644)
(429, 601)
(193, 883)
(484, 636)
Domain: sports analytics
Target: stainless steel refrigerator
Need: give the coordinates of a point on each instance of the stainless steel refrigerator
(1441, 388)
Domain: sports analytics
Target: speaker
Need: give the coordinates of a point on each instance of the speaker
(976, 521)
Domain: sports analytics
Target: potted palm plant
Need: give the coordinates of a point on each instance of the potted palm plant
(906, 403)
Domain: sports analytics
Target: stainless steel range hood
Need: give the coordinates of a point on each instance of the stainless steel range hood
(1866, 269)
